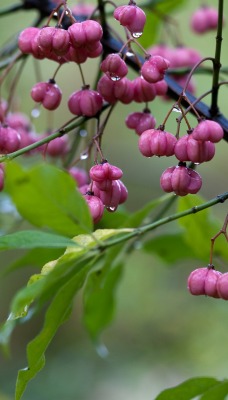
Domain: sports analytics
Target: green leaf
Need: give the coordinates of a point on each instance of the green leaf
(169, 247)
(47, 197)
(199, 228)
(156, 11)
(33, 240)
(99, 299)
(56, 314)
(218, 392)
(136, 219)
(188, 389)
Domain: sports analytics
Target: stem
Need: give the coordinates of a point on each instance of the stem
(147, 228)
(214, 110)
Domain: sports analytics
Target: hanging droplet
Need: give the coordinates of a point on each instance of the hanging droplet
(83, 133)
(35, 113)
(111, 209)
(84, 156)
(129, 54)
(137, 245)
(102, 350)
(115, 78)
(176, 109)
(67, 12)
(136, 35)
(55, 14)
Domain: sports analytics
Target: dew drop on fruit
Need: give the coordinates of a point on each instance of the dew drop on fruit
(115, 78)
(111, 209)
(35, 113)
(84, 156)
(136, 35)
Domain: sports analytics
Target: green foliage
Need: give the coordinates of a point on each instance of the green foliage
(169, 247)
(200, 228)
(190, 389)
(156, 12)
(33, 240)
(46, 197)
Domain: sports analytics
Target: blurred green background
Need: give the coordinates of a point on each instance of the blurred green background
(160, 335)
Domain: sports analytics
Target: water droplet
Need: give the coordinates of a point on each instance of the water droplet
(114, 78)
(84, 156)
(35, 113)
(67, 12)
(129, 54)
(137, 245)
(136, 35)
(176, 109)
(55, 14)
(83, 133)
(102, 350)
(111, 209)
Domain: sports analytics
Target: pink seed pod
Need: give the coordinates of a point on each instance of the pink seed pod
(208, 130)
(86, 102)
(161, 88)
(52, 39)
(18, 121)
(78, 55)
(196, 281)
(3, 109)
(57, 147)
(140, 121)
(132, 17)
(204, 19)
(153, 69)
(222, 286)
(211, 283)
(94, 49)
(82, 9)
(156, 142)
(111, 91)
(47, 93)
(181, 180)
(143, 90)
(26, 38)
(96, 207)
(111, 198)
(9, 139)
(114, 67)
(197, 151)
(83, 33)
(103, 174)
(80, 176)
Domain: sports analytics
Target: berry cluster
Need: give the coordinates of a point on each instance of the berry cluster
(204, 19)
(207, 281)
(75, 42)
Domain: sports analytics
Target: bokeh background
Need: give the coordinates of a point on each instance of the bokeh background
(160, 335)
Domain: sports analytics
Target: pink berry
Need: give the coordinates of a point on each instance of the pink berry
(86, 102)
(52, 39)
(78, 55)
(157, 142)
(211, 283)
(153, 69)
(189, 149)
(79, 175)
(196, 281)
(208, 130)
(204, 19)
(111, 91)
(57, 147)
(83, 33)
(96, 207)
(114, 67)
(47, 93)
(111, 198)
(103, 174)
(143, 90)
(222, 286)
(181, 180)
(132, 17)
(140, 121)
(26, 38)
(9, 139)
